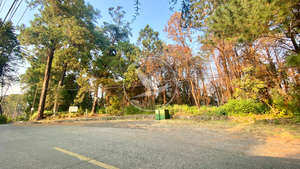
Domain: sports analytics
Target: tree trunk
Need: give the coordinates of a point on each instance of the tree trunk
(45, 85)
(37, 86)
(1, 109)
(214, 84)
(222, 100)
(95, 99)
(60, 84)
(193, 93)
(228, 80)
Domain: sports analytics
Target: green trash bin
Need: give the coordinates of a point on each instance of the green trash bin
(157, 115)
(162, 114)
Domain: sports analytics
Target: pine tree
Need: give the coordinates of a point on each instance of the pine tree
(59, 25)
(10, 56)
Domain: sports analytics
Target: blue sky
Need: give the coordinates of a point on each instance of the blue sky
(156, 13)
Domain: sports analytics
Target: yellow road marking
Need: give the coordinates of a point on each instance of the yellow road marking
(86, 159)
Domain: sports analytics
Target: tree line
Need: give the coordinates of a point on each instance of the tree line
(221, 51)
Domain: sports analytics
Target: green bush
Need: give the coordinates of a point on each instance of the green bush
(48, 113)
(9, 120)
(242, 107)
(285, 105)
(130, 109)
(101, 110)
(80, 111)
(75, 114)
(20, 118)
(191, 110)
(3, 119)
(34, 115)
(63, 112)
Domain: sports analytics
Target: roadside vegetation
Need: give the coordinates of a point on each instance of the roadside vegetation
(236, 58)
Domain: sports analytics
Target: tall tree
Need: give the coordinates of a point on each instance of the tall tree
(188, 69)
(10, 56)
(57, 25)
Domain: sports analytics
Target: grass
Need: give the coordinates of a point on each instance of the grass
(291, 131)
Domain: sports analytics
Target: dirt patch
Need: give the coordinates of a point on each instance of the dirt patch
(277, 147)
(291, 131)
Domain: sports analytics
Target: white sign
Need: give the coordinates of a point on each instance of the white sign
(73, 108)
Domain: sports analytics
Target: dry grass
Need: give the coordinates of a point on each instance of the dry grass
(264, 130)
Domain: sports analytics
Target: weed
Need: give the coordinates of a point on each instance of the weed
(3, 119)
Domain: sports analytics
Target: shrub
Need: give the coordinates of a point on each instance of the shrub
(185, 109)
(20, 118)
(48, 113)
(63, 112)
(9, 120)
(3, 119)
(242, 107)
(75, 114)
(130, 109)
(34, 115)
(80, 111)
(101, 110)
(286, 105)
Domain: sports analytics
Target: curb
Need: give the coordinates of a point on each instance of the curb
(152, 117)
(136, 117)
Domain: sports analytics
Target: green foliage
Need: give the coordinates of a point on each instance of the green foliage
(285, 105)
(101, 110)
(81, 111)
(293, 60)
(22, 118)
(34, 115)
(116, 106)
(249, 87)
(242, 107)
(130, 109)
(75, 114)
(63, 31)
(185, 109)
(9, 120)
(63, 112)
(3, 119)
(150, 42)
(48, 113)
(10, 54)
(96, 57)
(247, 20)
(13, 102)
(191, 110)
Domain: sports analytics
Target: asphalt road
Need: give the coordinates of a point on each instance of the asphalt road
(137, 144)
